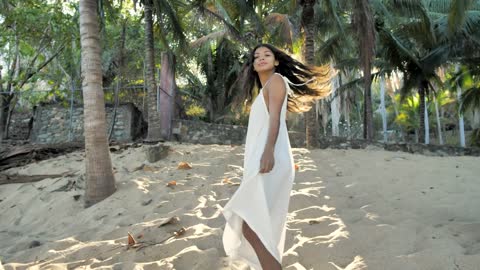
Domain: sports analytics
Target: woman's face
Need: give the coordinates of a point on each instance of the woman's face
(264, 60)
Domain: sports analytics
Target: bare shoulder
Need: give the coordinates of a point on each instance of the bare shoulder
(277, 85)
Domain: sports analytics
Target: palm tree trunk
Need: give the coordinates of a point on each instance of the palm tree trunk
(335, 107)
(427, 125)
(461, 125)
(382, 108)
(439, 124)
(346, 113)
(154, 128)
(100, 182)
(476, 118)
(394, 81)
(363, 20)
(311, 123)
(3, 106)
(421, 111)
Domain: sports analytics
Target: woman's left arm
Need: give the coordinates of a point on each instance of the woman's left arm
(276, 95)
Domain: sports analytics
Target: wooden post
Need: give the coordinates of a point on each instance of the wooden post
(167, 94)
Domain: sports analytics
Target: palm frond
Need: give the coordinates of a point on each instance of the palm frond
(395, 50)
(201, 41)
(279, 26)
(208, 13)
(434, 59)
(470, 99)
(163, 7)
(330, 49)
(438, 6)
(456, 16)
(333, 8)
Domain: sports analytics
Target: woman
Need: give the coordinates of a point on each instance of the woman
(256, 213)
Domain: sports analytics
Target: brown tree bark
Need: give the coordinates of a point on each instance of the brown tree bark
(154, 129)
(100, 182)
(312, 128)
(363, 21)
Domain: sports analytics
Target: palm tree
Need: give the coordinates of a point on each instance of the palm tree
(160, 8)
(363, 19)
(424, 36)
(311, 123)
(100, 182)
(154, 128)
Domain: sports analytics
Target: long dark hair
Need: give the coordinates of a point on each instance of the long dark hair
(296, 72)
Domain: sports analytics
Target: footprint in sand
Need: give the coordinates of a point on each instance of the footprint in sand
(467, 236)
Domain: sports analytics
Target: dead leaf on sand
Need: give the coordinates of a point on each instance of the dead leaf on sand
(227, 181)
(297, 167)
(171, 184)
(184, 166)
(230, 182)
(131, 240)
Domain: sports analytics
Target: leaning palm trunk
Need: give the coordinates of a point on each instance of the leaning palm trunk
(311, 124)
(100, 182)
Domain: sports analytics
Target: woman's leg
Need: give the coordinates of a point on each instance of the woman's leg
(267, 261)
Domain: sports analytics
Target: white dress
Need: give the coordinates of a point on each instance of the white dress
(261, 199)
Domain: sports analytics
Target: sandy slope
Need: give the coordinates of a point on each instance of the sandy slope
(355, 209)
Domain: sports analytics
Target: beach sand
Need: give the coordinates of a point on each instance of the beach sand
(349, 210)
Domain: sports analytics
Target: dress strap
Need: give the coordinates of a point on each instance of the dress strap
(290, 91)
(269, 79)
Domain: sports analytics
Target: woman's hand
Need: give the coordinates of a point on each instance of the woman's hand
(267, 161)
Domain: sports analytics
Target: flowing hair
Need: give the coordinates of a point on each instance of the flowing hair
(307, 83)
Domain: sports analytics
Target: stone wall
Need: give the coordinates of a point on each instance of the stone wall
(19, 126)
(52, 124)
(207, 133)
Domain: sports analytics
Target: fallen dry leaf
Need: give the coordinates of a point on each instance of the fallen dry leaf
(230, 182)
(297, 167)
(172, 183)
(131, 241)
(184, 166)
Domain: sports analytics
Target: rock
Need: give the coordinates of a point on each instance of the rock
(145, 203)
(156, 152)
(34, 243)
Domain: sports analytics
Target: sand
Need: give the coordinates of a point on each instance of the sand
(349, 210)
